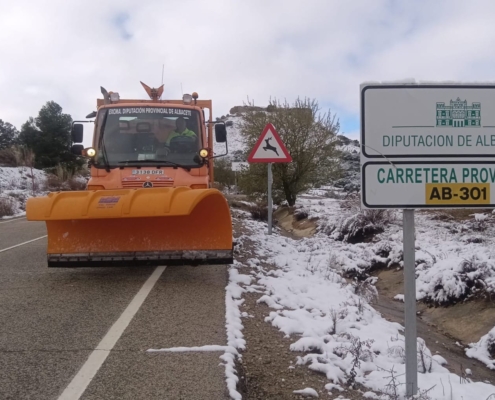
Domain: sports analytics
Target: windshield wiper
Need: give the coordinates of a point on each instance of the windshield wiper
(154, 162)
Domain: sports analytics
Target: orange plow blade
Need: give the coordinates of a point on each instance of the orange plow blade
(130, 227)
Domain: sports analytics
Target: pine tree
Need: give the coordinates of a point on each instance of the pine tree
(8, 135)
(48, 135)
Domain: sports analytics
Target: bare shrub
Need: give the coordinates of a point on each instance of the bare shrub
(361, 226)
(360, 350)
(17, 156)
(392, 389)
(7, 207)
(62, 179)
(21, 198)
(76, 184)
(259, 212)
(55, 184)
(425, 360)
(335, 316)
(358, 225)
(480, 223)
(8, 158)
(366, 290)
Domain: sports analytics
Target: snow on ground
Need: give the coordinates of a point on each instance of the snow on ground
(455, 260)
(332, 322)
(16, 186)
(307, 392)
(480, 350)
(451, 255)
(349, 148)
(343, 336)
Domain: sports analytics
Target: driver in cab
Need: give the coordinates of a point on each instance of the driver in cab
(181, 130)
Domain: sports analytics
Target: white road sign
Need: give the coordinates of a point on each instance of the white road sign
(405, 121)
(418, 184)
(427, 146)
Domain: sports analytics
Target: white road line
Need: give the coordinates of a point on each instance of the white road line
(22, 244)
(12, 220)
(96, 359)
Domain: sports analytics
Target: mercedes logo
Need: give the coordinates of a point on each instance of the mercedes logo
(147, 184)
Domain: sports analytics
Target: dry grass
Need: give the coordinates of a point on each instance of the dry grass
(7, 207)
(63, 179)
(17, 156)
(54, 184)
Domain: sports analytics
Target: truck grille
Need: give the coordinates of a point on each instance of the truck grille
(139, 185)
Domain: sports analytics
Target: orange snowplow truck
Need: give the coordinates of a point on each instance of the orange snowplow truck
(149, 200)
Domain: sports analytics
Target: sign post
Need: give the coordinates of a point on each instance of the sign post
(270, 202)
(410, 303)
(425, 146)
(269, 149)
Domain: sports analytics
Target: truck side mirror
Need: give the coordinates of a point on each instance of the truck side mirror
(220, 133)
(77, 149)
(77, 133)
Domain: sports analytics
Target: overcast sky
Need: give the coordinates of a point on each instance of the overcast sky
(229, 50)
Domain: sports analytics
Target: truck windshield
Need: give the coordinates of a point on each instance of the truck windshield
(132, 134)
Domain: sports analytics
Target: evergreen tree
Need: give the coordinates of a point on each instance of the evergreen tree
(48, 135)
(8, 135)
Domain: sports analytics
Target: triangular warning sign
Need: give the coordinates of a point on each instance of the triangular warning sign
(269, 148)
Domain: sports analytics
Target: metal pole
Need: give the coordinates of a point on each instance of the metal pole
(270, 206)
(410, 304)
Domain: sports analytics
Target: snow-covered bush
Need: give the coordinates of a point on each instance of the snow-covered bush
(453, 280)
(359, 227)
(484, 350)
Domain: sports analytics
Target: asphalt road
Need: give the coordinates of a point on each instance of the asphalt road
(83, 333)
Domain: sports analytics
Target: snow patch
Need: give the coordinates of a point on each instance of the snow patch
(399, 297)
(16, 186)
(480, 350)
(307, 392)
(235, 338)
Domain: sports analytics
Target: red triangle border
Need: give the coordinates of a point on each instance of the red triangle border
(287, 158)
